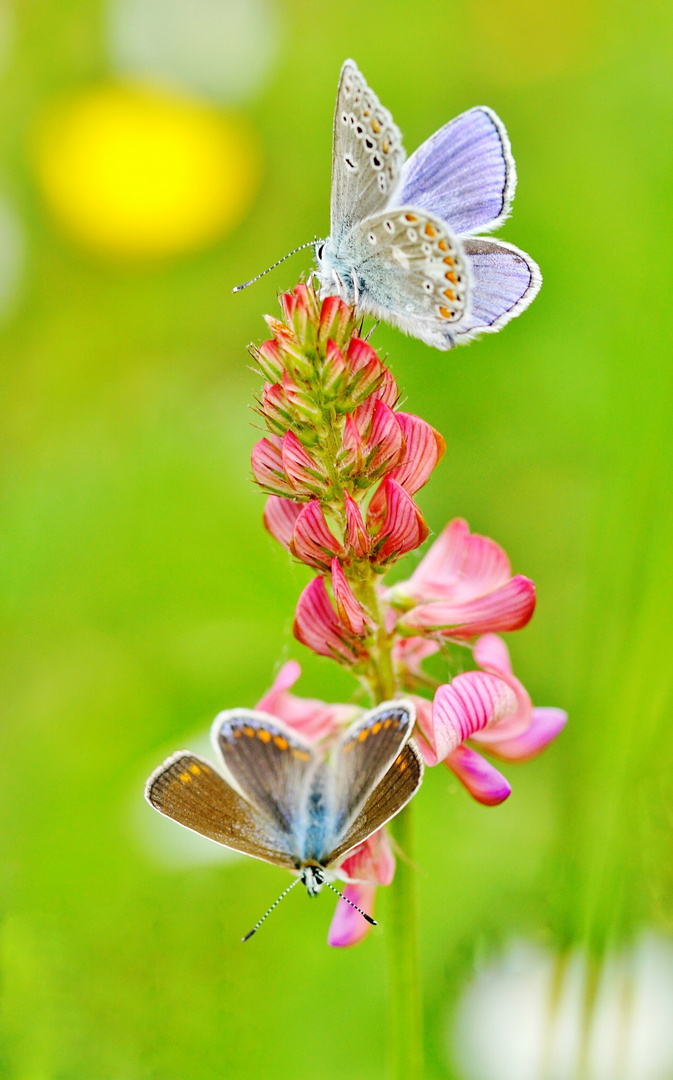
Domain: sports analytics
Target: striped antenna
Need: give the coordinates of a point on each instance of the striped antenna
(342, 897)
(301, 247)
(275, 904)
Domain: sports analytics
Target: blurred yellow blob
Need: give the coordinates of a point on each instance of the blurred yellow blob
(134, 172)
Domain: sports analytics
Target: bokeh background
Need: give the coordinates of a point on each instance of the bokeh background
(153, 153)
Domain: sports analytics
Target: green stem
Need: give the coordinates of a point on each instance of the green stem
(405, 1013)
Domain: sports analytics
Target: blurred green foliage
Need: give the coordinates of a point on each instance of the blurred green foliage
(140, 594)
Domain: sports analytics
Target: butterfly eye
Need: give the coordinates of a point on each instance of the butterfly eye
(319, 252)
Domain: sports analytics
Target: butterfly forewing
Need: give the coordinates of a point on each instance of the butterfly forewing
(391, 795)
(269, 764)
(412, 267)
(464, 173)
(367, 153)
(189, 790)
(364, 755)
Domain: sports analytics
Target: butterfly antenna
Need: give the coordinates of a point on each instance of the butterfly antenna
(342, 897)
(301, 247)
(275, 904)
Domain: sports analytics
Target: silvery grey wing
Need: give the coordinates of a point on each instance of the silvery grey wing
(190, 791)
(266, 761)
(391, 795)
(364, 754)
(367, 154)
(410, 270)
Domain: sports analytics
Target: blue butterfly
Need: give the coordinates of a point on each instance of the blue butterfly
(402, 245)
(284, 800)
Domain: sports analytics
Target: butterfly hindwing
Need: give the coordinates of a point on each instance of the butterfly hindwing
(411, 270)
(399, 784)
(267, 762)
(464, 173)
(190, 791)
(367, 153)
(364, 755)
(505, 281)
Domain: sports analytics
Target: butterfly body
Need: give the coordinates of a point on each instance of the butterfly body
(403, 243)
(281, 799)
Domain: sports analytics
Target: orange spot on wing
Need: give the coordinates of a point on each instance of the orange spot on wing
(363, 734)
(264, 735)
(449, 294)
(387, 723)
(184, 778)
(301, 755)
(377, 727)
(443, 246)
(401, 765)
(376, 127)
(410, 217)
(280, 742)
(385, 146)
(249, 731)
(429, 231)
(195, 769)
(450, 276)
(237, 733)
(445, 313)
(448, 260)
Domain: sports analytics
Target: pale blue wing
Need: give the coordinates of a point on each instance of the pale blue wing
(504, 281)
(367, 154)
(464, 173)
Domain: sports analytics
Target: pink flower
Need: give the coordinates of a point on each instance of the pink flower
(424, 449)
(464, 587)
(314, 719)
(268, 468)
(402, 528)
(317, 625)
(370, 864)
(490, 708)
(312, 541)
(300, 468)
(280, 516)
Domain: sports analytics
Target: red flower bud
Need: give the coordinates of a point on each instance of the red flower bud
(268, 468)
(317, 625)
(312, 541)
(301, 469)
(357, 537)
(402, 528)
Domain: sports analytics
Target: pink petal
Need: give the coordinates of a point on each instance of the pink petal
(546, 724)
(267, 466)
(388, 391)
(349, 609)
(467, 704)
(312, 541)
(424, 449)
(270, 360)
(403, 527)
(458, 567)
(275, 408)
(334, 369)
(335, 317)
(313, 718)
(351, 453)
(423, 733)
(347, 926)
(385, 444)
(507, 608)
(317, 626)
(357, 537)
(300, 468)
(492, 654)
(286, 677)
(481, 779)
(371, 861)
(280, 516)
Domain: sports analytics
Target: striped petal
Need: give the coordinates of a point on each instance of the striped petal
(317, 626)
(312, 541)
(458, 567)
(545, 725)
(403, 527)
(508, 607)
(471, 702)
(350, 611)
(280, 516)
(424, 449)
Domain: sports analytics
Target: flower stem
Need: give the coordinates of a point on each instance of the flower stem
(405, 1015)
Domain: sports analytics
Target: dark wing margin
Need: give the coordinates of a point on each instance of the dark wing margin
(364, 755)
(190, 791)
(266, 761)
(398, 786)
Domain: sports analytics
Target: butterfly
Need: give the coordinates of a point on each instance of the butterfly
(281, 799)
(402, 245)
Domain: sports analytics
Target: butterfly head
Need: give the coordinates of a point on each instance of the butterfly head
(313, 878)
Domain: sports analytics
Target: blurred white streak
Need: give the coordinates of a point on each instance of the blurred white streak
(224, 49)
(12, 256)
(167, 844)
(526, 1017)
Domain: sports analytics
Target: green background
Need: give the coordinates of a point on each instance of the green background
(140, 594)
